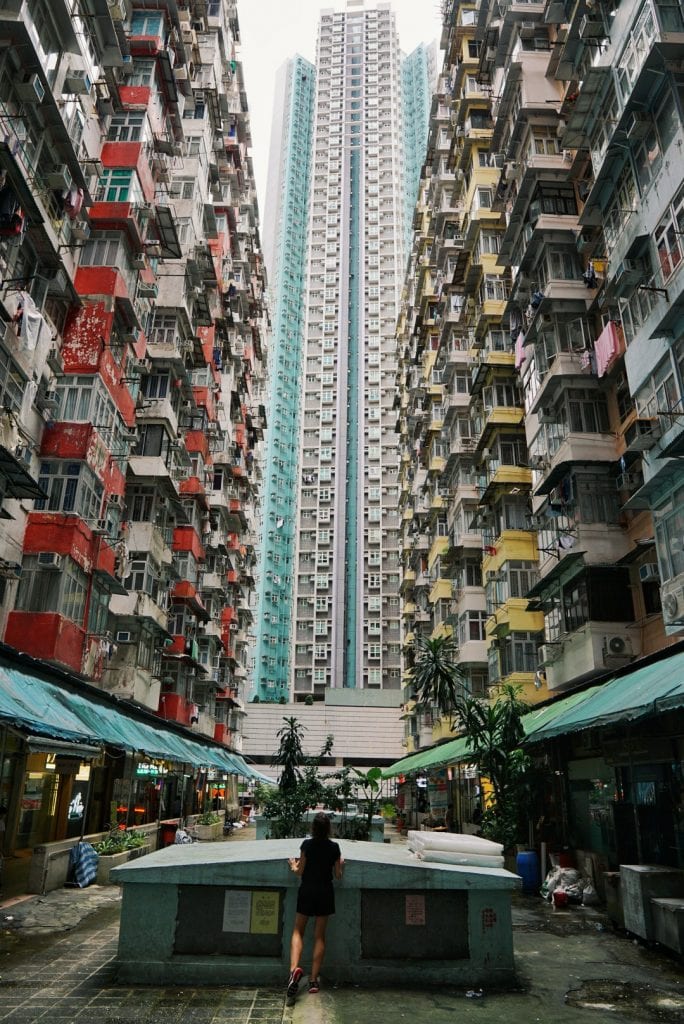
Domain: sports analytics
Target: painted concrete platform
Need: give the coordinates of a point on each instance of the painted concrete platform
(223, 914)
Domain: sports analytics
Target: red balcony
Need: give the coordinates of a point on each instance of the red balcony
(185, 538)
(185, 593)
(175, 708)
(128, 217)
(194, 488)
(197, 441)
(47, 635)
(222, 734)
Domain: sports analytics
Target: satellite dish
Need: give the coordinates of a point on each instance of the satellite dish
(566, 541)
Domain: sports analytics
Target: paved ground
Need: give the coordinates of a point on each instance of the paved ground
(57, 964)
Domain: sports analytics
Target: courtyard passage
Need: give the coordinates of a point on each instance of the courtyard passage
(57, 965)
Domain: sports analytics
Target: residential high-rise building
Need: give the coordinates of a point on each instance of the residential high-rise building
(132, 348)
(541, 347)
(347, 571)
(419, 76)
(285, 236)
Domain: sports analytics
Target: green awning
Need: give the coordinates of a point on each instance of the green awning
(434, 757)
(34, 704)
(650, 690)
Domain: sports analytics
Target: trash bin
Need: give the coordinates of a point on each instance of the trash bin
(167, 834)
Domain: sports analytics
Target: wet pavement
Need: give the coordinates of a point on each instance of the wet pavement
(57, 964)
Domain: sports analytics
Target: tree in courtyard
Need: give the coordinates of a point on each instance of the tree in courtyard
(437, 679)
(299, 786)
(290, 753)
(494, 732)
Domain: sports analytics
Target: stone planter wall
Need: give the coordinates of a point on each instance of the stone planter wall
(209, 833)
(107, 861)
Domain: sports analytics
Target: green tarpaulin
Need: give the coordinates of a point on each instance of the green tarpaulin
(649, 690)
(43, 708)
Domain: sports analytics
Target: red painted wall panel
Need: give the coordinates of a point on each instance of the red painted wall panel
(46, 635)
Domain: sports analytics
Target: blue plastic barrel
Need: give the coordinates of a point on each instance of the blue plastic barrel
(527, 866)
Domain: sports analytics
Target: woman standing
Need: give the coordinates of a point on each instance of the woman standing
(319, 860)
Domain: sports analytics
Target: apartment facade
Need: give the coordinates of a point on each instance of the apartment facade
(285, 237)
(560, 370)
(133, 346)
(347, 572)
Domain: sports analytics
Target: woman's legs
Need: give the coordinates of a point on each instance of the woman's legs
(297, 940)
(319, 945)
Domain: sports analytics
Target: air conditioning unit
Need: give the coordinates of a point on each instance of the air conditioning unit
(526, 29)
(148, 289)
(80, 230)
(130, 437)
(591, 28)
(105, 105)
(31, 90)
(138, 261)
(117, 10)
(617, 647)
(49, 560)
(77, 81)
(55, 361)
(127, 65)
(59, 177)
(626, 482)
(547, 415)
(101, 526)
(537, 462)
(626, 277)
(639, 124)
(487, 454)
(124, 636)
(649, 571)
(550, 653)
(673, 606)
(642, 435)
(116, 500)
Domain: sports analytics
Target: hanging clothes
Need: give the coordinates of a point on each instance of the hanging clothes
(73, 202)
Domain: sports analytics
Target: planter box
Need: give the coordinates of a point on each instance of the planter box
(209, 833)
(107, 861)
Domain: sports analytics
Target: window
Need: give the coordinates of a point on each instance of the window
(11, 383)
(126, 128)
(147, 23)
(46, 590)
(119, 185)
(668, 236)
(71, 487)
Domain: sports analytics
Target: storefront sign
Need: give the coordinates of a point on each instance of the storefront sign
(147, 768)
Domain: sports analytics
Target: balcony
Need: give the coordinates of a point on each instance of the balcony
(594, 648)
(139, 605)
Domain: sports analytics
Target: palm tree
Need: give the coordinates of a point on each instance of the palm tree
(437, 679)
(290, 755)
(495, 732)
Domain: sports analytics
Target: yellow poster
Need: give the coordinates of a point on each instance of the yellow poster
(265, 907)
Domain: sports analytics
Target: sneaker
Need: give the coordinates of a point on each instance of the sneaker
(293, 981)
(314, 986)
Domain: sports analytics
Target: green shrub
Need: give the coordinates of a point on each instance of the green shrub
(208, 818)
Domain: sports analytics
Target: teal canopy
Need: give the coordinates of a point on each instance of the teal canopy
(649, 690)
(434, 757)
(645, 691)
(43, 708)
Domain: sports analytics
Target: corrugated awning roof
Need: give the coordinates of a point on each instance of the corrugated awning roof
(650, 690)
(37, 706)
(434, 757)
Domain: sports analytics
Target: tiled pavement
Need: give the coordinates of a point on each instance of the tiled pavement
(70, 976)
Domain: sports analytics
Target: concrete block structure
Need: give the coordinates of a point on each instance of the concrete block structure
(397, 921)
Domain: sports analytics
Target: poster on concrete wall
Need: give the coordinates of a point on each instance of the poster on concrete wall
(237, 910)
(253, 912)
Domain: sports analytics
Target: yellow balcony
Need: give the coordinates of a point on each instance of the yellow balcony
(440, 590)
(439, 546)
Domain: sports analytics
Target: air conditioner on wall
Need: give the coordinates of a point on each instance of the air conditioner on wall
(649, 571)
(49, 560)
(31, 90)
(77, 81)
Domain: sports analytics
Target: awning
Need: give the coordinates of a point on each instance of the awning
(650, 690)
(434, 757)
(44, 709)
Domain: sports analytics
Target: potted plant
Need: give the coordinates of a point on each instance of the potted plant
(208, 826)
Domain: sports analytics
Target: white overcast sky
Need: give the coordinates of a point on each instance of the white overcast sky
(273, 30)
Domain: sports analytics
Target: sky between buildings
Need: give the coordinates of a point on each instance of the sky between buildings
(273, 30)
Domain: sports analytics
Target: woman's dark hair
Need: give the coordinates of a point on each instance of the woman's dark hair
(320, 826)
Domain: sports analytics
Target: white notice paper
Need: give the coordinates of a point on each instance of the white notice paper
(237, 910)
